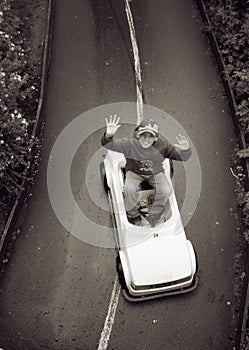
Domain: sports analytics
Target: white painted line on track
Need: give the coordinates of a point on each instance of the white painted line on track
(109, 321)
(137, 66)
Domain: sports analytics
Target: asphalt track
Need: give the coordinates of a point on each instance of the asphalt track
(56, 290)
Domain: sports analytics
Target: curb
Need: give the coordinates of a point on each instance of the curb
(243, 328)
(11, 220)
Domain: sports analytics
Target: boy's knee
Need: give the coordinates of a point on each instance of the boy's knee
(164, 192)
(131, 186)
(167, 191)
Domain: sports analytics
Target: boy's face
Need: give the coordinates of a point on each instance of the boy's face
(146, 139)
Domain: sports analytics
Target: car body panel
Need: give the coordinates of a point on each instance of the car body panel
(155, 260)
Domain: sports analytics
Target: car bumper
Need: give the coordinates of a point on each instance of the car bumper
(143, 295)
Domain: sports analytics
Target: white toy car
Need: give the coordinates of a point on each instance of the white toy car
(154, 259)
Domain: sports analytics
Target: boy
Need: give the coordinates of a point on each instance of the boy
(144, 156)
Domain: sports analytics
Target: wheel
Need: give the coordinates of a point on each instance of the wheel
(103, 176)
(171, 168)
(196, 260)
(120, 272)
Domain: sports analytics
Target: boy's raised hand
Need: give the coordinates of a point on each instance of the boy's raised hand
(183, 143)
(112, 125)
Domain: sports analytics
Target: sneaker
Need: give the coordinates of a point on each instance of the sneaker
(144, 210)
(135, 221)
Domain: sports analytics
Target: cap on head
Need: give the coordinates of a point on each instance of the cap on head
(147, 125)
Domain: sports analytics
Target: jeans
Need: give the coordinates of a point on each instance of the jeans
(132, 187)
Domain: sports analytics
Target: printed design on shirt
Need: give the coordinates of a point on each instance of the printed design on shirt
(145, 165)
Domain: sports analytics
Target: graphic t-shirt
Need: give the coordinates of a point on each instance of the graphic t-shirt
(145, 161)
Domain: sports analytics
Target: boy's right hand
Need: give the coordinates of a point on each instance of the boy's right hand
(112, 125)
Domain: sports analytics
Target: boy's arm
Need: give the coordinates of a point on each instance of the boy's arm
(115, 145)
(180, 151)
(112, 125)
(105, 139)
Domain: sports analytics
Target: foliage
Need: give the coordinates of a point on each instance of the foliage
(230, 21)
(18, 97)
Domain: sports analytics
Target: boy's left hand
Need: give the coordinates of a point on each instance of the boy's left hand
(183, 143)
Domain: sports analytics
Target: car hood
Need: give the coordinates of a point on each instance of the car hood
(159, 260)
